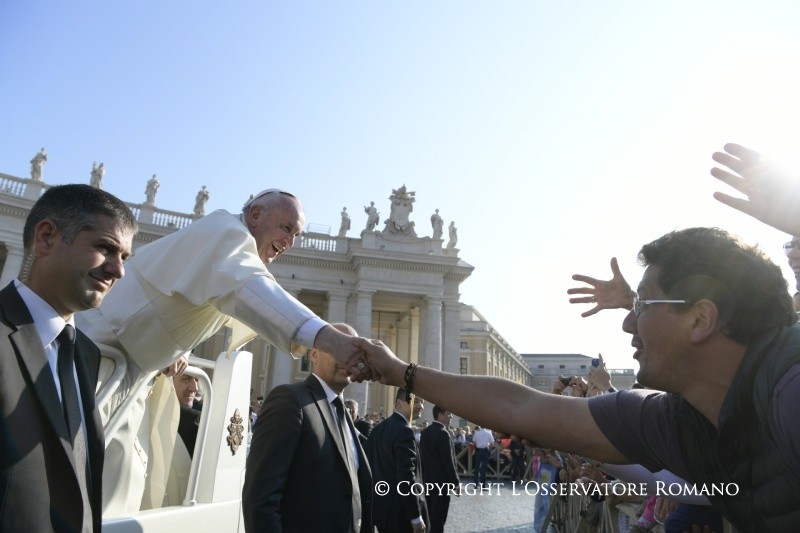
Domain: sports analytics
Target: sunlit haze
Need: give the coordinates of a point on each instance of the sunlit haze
(555, 134)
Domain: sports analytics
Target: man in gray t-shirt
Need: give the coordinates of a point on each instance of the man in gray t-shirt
(713, 324)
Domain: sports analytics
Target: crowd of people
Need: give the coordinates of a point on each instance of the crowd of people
(712, 323)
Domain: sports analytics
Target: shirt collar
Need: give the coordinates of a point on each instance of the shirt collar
(329, 394)
(46, 320)
(402, 416)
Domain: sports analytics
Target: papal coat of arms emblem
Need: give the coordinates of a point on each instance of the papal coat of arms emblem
(235, 432)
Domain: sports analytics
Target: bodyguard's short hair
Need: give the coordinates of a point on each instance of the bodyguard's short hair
(437, 410)
(74, 208)
(708, 263)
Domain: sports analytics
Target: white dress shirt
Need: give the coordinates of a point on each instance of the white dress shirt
(49, 325)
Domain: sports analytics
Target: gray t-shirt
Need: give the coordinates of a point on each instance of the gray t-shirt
(642, 425)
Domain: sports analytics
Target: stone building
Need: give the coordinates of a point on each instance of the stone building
(546, 367)
(484, 352)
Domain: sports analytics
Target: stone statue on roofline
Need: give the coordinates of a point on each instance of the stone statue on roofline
(37, 164)
(436, 223)
(402, 205)
(151, 190)
(451, 244)
(200, 202)
(345, 225)
(373, 216)
(96, 177)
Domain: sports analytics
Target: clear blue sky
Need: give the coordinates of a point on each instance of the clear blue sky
(555, 134)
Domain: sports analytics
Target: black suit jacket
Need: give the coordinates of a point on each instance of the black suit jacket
(298, 476)
(392, 452)
(188, 425)
(438, 455)
(39, 488)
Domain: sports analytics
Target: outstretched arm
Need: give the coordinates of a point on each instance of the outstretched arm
(612, 294)
(514, 408)
(773, 196)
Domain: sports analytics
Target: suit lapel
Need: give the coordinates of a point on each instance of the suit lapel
(28, 345)
(325, 411)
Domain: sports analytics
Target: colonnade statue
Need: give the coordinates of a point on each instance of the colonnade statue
(96, 177)
(373, 216)
(151, 190)
(37, 163)
(200, 202)
(345, 225)
(451, 244)
(436, 223)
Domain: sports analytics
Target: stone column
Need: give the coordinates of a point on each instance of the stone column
(432, 354)
(451, 353)
(281, 362)
(413, 335)
(15, 254)
(281, 368)
(337, 307)
(363, 324)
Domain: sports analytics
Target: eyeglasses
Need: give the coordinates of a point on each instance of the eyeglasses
(789, 246)
(638, 305)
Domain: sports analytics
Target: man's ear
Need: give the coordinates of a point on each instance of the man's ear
(705, 320)
(44, 235)
(251, 217)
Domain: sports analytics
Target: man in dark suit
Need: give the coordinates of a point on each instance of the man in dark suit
(51, 437)
(306, 470)
(438, 466)
(392, 452)
(352, 408)
(186, 388)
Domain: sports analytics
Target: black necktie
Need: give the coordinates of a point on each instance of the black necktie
(337, 403)
(72, 412)
(356, 497)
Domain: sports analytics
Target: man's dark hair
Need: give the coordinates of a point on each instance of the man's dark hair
(74, 208)
(708, 263)
(437, 410)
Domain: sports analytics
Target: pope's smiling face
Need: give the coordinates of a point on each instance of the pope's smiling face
(275, 226)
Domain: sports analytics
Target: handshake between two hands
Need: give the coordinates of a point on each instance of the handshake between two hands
(371, 360)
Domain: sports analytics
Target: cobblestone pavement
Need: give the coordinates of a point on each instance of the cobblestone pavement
(498, 509)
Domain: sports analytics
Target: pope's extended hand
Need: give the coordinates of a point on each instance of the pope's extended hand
(611, 294)
(773, 196)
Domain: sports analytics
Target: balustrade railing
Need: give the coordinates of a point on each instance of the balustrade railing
(317, 241)
(13, 185)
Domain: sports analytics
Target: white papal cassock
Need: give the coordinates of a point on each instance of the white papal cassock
(176, 293)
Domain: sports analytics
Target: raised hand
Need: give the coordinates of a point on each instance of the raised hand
(599, 376)
(773, 196)
(612, 294)
(177, 368)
